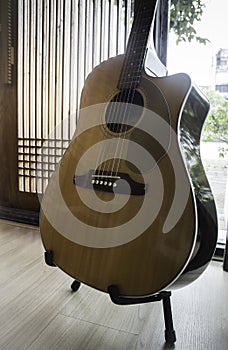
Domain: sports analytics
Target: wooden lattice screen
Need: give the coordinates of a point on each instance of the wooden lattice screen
(59, 42)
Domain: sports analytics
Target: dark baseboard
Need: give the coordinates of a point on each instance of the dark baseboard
(219, 251)
(19, 215)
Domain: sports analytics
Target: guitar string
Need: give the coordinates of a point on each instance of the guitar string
(130, 107)
(132, 90)
(113, 111)
(126, 95)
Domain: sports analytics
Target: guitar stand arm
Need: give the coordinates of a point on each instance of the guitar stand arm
(170, 336)
(48, 257)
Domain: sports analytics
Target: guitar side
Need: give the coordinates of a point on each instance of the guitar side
(191, 124)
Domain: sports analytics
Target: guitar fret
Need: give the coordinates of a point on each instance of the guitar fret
(131, 74)
(136, 77)
(134, 57)
(132, 83)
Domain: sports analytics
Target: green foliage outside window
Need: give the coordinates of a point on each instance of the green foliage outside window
(216, 125)
(183, 15)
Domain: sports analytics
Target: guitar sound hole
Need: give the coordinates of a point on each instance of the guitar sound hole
(122, 117)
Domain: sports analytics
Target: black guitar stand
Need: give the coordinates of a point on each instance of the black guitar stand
(170, 336)
(225, 258)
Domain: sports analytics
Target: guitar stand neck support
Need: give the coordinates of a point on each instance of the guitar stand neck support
(170, 336)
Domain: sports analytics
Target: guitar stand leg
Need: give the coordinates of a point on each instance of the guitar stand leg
(170, 336)
(75, 286)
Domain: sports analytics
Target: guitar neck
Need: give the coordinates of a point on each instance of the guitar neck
(132, 67)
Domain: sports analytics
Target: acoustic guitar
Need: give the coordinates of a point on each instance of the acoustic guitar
(129, 203)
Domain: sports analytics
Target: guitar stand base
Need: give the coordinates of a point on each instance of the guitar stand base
(170, 335)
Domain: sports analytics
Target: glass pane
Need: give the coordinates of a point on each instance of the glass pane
(207, 65)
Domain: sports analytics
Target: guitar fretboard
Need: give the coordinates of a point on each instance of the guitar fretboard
(131, 71)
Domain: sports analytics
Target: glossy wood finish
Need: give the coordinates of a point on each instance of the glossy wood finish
(152, 261)
(8, 145)
(10, 196)
(6, 52)
(38, 310)
(8, 108)
(193, 118)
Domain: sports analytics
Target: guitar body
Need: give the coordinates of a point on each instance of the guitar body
(129, 204)
(153, 259)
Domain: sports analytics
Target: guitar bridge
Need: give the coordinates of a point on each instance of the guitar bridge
(108, 182)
